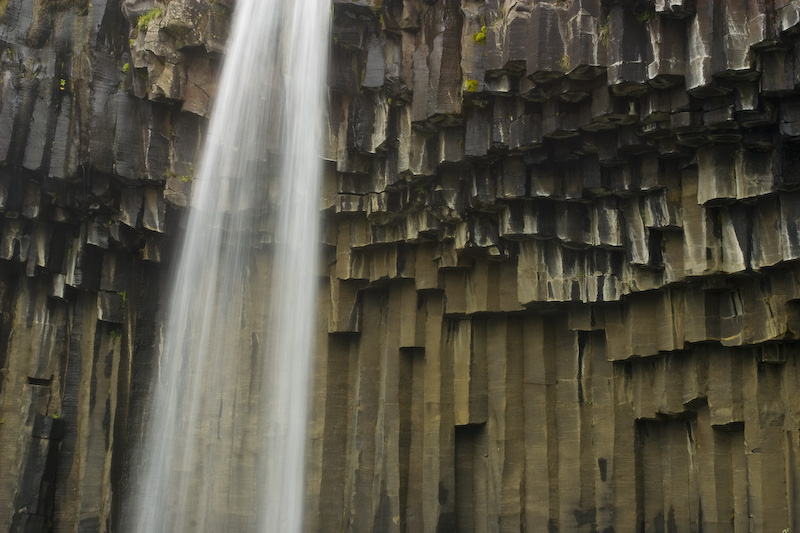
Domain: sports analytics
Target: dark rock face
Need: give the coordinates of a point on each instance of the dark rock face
(576, 273)
(89, 174)
(562, 240)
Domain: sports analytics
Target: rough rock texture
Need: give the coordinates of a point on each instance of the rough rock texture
(89, 176)
(562, 242)
(564, 288)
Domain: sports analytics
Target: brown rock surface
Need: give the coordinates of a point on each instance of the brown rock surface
(562, 238)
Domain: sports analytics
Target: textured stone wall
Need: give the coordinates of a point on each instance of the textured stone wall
(99, 129)
(564, 289)
(561, 238)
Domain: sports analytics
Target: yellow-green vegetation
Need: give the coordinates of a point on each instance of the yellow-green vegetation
(564, 64)
(471, 85)
(646, 16)
(187, 178)
(3, 6)
(144, 20)
(62, 84)
(126, 67)
(480, 37)
(604, 32)
(115, 334)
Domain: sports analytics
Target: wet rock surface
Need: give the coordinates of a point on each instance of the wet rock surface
(581, 263)
(561, 291)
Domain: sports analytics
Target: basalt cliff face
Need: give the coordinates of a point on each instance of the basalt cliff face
(561, 289)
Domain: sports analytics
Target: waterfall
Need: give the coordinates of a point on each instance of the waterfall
(224, 448)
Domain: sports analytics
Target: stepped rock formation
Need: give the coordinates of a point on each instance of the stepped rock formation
(561, 290)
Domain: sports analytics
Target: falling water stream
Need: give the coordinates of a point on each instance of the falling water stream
(224, 448)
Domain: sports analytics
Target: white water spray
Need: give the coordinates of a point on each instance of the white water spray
(225, 447)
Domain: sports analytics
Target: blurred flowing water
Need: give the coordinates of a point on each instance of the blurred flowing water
(225, 443)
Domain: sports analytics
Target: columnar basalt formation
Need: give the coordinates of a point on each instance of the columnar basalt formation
(569, 265)
(562, 236)
(90, 173)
